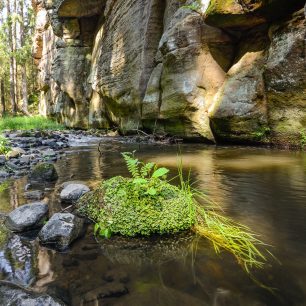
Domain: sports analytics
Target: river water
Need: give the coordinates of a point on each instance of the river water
(262, 188)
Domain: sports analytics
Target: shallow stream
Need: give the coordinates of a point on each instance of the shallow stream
(262, 188)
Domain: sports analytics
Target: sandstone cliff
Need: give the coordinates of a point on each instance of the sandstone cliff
(219, 70)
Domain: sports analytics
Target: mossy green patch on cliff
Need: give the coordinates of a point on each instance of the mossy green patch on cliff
(236, 129)
(229, 13)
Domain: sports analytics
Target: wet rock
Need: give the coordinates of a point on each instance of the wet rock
(3, 174)
(116, 275)
(107, 291)
(166, 296)
(25, 159)
(34, 195)
(61, 230)
(73, 192)
(27, 217)
(13, 295)
(13, 165)
(2, 160)
(15, 152)
(65, 184)
(49, 153)
(45, 172)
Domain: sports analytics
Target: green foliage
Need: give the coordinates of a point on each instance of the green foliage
(4, 145)
(196, 6)
(261, 133)
(140, 170)
(303, 138)
(4, 186)
(28, 123)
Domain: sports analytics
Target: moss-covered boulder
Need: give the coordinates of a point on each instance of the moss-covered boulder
(44, 172)
(248, 13)
(130, 208)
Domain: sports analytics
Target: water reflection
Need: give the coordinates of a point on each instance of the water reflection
(264, 189)
(17, 258)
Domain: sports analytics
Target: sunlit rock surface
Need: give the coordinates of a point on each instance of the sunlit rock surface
(211, 70)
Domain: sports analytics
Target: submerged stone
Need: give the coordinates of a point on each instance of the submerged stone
(13, 295)
(45, 172)
(34, 195)
(73, 192)
(61, 230)
(27, 217)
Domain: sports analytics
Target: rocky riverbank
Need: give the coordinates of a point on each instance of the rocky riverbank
(28, 148)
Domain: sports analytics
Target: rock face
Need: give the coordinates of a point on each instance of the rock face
(27, 217)
(11, 294)
(221, 71)
(72, 192)
(61, 230)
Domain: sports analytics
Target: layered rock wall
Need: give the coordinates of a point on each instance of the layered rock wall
(213, 70)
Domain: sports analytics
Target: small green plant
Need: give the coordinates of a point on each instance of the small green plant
(261, 133)
(196, 6)
(303, 138)
(4, 145)
(139, 170)
(4, 186)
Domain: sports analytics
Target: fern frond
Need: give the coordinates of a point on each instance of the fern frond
(132, 164)
(146, 169)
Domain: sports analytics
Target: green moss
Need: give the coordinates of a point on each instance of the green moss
(128, 209)
(44, 171)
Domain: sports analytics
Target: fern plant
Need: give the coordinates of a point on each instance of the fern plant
(143, 171)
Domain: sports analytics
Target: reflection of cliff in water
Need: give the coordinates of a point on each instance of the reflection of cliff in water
(18, 259)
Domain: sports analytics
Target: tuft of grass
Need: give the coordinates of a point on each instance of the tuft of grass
(223, 232)
(28, 123)
(4, 186)
(4, 145)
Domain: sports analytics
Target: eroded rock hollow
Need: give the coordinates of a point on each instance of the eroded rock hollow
(213, 70)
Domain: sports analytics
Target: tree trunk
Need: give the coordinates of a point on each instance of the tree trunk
(24, 68)
(14, 58)
(12, 80)
(2, 98)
